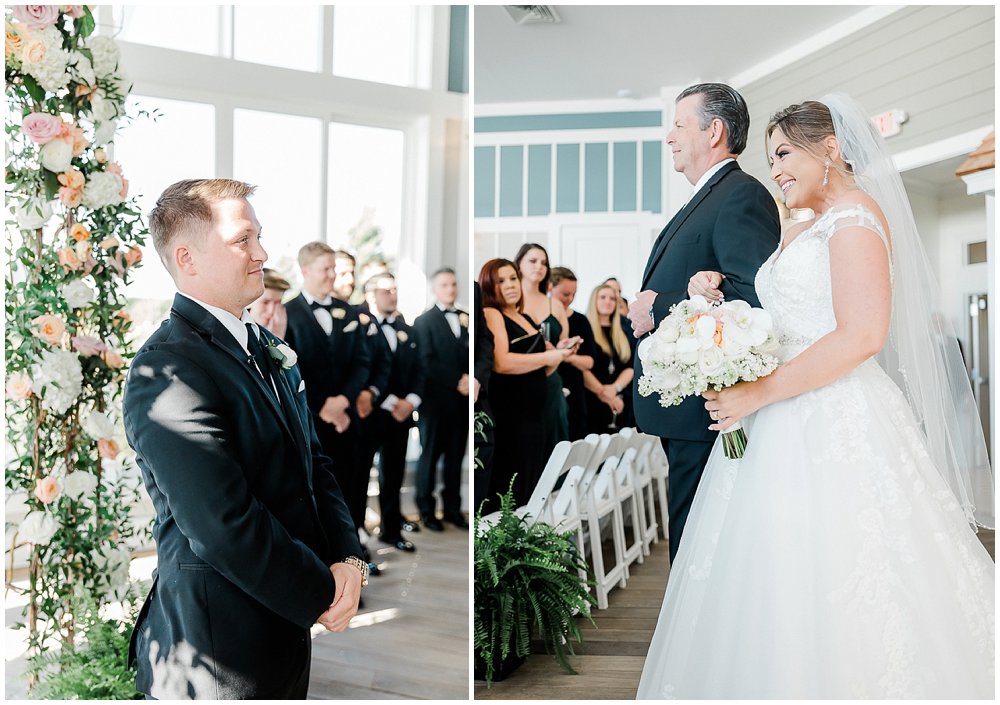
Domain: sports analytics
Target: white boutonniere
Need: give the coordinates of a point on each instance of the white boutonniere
(282, 354)
(401, 336)
(364, 318)
(338, 313)
(463, 319)
(372, 329)
(350, 326)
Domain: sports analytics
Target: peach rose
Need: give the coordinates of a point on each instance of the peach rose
(122, 314)
(47, 489)
(114, 168)
(83, 249)
(82, 90)
(132, 255)
(79, 232)
(123, 194)
(100, 155)
(69, 260)
(33, 51)
(49, 328)
(74, 135)
(113, 359)
(73, 178)
(74, 11)
(108, 242)
(12, 41)
(108, 448)
(19, 386)
(70, 197)
(88, 345)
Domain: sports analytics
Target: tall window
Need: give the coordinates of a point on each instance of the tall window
(380, 44)
(288, 37)
(196, 28)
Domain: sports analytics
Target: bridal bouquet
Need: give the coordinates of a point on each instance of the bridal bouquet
(701, 345)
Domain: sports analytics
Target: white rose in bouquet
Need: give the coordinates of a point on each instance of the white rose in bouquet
(78, 293)
(711, 361)
(38, 528)
(57, 378)
(79, 484)
(102, 189)
(688, 349)
(56, 155)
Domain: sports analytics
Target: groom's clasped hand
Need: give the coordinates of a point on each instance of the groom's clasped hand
(345, 600)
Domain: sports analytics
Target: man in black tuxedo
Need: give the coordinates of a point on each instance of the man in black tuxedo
(482, 367)
(562, 286)
(254, 542)
(444, 417)
(333, 356)
(389, 425)
(730, 225)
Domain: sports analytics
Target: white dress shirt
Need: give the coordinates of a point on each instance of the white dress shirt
(708, 175)
(452, 318)
(323, 316)
(391, 337)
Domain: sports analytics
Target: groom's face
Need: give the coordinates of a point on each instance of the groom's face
(689, 143)
(229, 260)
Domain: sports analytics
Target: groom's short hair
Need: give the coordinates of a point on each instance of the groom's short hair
(187, 205)
(721, 101)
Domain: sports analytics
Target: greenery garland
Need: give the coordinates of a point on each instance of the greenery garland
(73, 241)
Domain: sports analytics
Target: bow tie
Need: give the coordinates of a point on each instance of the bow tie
(391, 322)
(316, 304)
(451, 310)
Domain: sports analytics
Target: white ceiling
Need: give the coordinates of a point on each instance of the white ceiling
(598, 51)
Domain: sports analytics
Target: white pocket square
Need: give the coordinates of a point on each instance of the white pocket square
(302, 385)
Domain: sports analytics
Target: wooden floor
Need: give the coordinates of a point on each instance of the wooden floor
(609, 663)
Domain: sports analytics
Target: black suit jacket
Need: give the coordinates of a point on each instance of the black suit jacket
(248, 515)
(333, 364)
(408, 374)
(379, 354)
(731, 226)
(446, 359)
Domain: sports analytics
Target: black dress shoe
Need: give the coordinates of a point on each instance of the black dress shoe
(433, 524)
(400, 544)
(409, 526)
(458, 520)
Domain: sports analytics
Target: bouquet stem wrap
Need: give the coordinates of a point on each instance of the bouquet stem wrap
(734, 441)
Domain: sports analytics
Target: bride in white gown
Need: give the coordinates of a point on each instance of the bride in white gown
(836, 558)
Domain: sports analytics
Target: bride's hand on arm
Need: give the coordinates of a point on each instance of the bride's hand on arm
(734, 403)
(706, 284)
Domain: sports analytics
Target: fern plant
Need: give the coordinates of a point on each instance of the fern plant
(526, 577)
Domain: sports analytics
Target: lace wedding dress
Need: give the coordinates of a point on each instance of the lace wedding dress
(832, 560)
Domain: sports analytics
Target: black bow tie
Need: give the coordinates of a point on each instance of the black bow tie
(391, 322)
(451, 310)
(316, 304)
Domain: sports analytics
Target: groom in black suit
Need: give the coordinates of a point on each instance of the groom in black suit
(730, 225)
(254, 542)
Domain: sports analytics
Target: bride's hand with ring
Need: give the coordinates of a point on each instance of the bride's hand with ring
(706, 284)
(734, 403)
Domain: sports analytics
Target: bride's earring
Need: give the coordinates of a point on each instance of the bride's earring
(826, 174)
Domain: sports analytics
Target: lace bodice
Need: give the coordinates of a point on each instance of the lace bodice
(794, 283)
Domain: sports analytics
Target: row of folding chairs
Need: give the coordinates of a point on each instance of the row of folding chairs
(596, 487)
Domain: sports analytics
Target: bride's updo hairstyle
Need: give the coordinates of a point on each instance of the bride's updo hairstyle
(806, 125)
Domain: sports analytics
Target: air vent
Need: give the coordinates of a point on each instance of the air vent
(533, 14)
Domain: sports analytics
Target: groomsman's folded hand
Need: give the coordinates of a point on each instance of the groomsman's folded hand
(347, 593)
(463, 385)
(364, 403)
(401, 412)
(334, 408)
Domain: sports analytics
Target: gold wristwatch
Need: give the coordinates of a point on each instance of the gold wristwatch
(361, 565)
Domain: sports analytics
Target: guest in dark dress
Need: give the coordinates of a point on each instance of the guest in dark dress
(609, 408)
(521, 362)
(562, 288)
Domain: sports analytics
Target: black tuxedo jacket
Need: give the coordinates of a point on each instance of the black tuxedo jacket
(379, 354)
(248, 515)
(408, 375)
(339, 363)
(731, 226)
(446, 359)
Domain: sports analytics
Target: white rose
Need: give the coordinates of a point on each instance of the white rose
(98, 425)
(29, 217)
(688, 350)
(56, 155)
(661, 378)
(711, 360)
(79, 483)
(288, 356)
(645, 348)
(104, 132)
(38, 528)
(730, 346)
(698, 304)
(102, 190)
(78, 293)
(668, 332)
(111, 471)
(704, 330)
(105, 52)
(57, 378)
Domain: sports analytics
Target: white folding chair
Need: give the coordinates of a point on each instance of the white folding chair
(644, 486)
(563, 511)
(598, 503)
(629, 500)
(659, 470)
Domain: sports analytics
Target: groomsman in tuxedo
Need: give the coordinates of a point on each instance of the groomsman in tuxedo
(444, 416)
(254, 543)
(562, 286)
(335, 362)
(482, 366)
(730, 225)
(268, 310)
(389, 425)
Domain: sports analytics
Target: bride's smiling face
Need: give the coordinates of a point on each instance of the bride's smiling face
(798, 172)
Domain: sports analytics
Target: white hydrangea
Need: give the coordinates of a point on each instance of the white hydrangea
(97, 425)
(82, 68)
(79, 484)
(38, 528)
(56, 155)
(78, 293)
(106, 54)
(102, 108)
(104, 132)
(44, 59)
(28, 216)
(114, 565)
(102, 189)
(57, 379)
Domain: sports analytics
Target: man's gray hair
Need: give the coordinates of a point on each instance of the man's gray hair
(721, 101)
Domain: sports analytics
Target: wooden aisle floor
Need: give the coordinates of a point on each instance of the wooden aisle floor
(609, 663)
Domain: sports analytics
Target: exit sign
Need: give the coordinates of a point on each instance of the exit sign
(889, 123)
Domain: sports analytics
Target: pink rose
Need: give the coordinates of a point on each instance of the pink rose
(47, 489)
(74, 11)
(88, 345)
(19, 386)
(49, 328)
(112, 359)
(108, 448)
(41, 127)
(36, 16)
